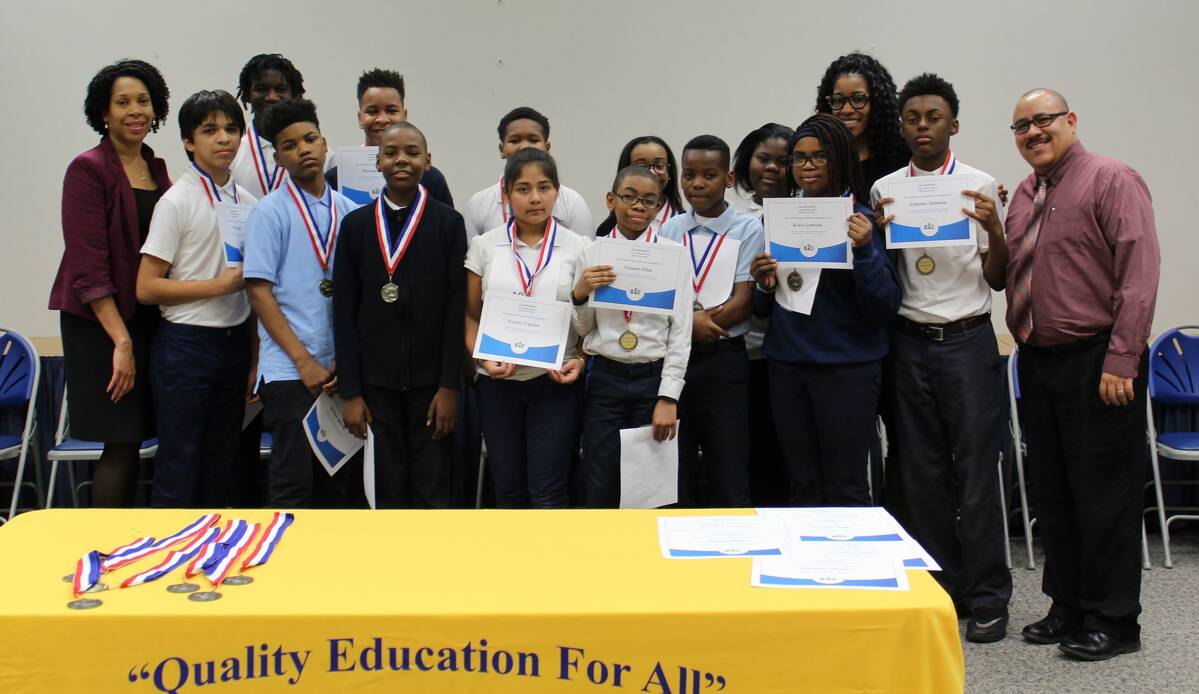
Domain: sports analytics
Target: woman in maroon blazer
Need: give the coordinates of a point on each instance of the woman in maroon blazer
(108, 196)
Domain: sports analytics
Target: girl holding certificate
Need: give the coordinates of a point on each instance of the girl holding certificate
(825, 363)
(528, 414)
(653, 153)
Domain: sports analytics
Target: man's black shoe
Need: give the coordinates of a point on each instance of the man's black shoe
(1049, 630)
(987, 625)
(1096, 645)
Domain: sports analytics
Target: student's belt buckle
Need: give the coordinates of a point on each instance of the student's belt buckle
(934, 332)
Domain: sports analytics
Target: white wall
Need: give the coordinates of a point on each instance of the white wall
(603, 72)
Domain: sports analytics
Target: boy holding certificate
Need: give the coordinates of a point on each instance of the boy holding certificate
(381, 103)
(398, 308)
(825, 354)
(721, 243)
(640, 358)
(490, 208)
(289, 275)
(200, 358)
(947, 404)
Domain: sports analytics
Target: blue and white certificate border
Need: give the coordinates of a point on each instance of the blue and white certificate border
(494, 348)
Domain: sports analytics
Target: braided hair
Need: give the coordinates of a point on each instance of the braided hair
(260, 64)
(882, 130)
(844, 169)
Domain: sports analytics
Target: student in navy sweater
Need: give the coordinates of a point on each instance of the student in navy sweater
(825, 363)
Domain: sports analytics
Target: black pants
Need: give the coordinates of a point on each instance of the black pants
(296, 479)
(948, 414)
(1087, 470)
(713, 412)
(411, 469)
(824, 414)
(619, 396)
(198, 376)
(767, 475)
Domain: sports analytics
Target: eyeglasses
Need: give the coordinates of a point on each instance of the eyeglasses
(630, 200)
(658, 167)
(1041, 120)
(857, 100)
(817, 159)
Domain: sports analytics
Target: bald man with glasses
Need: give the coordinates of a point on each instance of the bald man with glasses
(1081, 288)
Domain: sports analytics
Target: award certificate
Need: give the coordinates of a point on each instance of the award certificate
(809, 232)
(648, 275)
(928, 211)
(520, 330)
(357, 177)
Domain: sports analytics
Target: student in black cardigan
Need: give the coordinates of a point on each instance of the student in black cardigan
(398, 304)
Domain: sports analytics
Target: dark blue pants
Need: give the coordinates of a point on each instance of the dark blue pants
(824, 415)
(412, 470)
(619, 396)
(948, 414)
(530, 428)
(714, 418)
(1086, 464)
(199, 377)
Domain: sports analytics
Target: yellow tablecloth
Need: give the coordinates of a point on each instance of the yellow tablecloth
(464, 601)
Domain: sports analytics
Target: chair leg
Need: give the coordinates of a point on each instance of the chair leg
(53, 479)
(73, 484)
(1032, 562)
(479, 484)
(1161, 505)
(1145, 547)
(19, 479)
(1007, 540)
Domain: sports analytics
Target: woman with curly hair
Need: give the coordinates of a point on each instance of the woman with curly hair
(859, 91)
(108, 195)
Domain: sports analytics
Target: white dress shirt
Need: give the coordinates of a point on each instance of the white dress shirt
(260, 180)
(485, 211)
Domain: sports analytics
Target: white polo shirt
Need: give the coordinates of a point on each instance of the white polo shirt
(255, 169)
(485, 211)
(185, 233)
(956, 288)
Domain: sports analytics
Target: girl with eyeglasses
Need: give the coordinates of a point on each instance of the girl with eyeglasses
(653, 153)
(826, 364)
(860, 93)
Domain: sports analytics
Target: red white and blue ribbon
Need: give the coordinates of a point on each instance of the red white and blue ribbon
(269, 180)
(226, 556)
(233, 530)
(173, 560)
(121, 551)
(322, 244)
(527, 276)
(704, 265)
(211, 188)
(392, 255)
(196, 527)
(951, 163)
(667, 212)
(269, 540)
(505, 206)
(649, 236)
(87, 573)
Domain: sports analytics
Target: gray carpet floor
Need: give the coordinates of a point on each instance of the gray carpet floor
(1167, 663)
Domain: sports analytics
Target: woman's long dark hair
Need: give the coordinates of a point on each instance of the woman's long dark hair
(884, 139)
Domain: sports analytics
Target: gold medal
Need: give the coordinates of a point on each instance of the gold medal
(925, 265)
(628, 340)
(390, 292)
(326, 287)
(696, 306)
(795, 281)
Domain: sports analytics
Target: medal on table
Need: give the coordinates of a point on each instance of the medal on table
(704, 265)
(393, 254)
(795, 281)
(526, 275)
(322, 244)
(925, 264)
(267, 180)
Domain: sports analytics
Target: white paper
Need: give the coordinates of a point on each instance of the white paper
(831, 572)
(523, 330)
(357, 177)
(809, 232)
(647, 275)
(649, 470)
(871, 528)
(711, 537)
(231, 219)
(928, 211)
(802, 300)
(368, 468)
(328, 436)
(718, 286)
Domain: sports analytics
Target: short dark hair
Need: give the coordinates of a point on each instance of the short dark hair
(99, 92)
(929, 84)
(516, 163)
(844, 169)
(633, 171)
(882, 132)
(524, 113)
(379, 77)
(261, 63)
(277, 118)
(405, 125)
(709, 143)
(745, 151)
(200, 105)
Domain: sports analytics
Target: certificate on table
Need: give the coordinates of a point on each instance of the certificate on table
(928, 211)
(648, 275)
(809, 232)
(829, 572)
(327, 434)
(649, 469)
(710, 537)
(869, 527)
(357, 177)
(520, 330)
(231, 218)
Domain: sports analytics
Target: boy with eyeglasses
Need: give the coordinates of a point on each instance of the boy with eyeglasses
(640, 359)
(946, 406)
